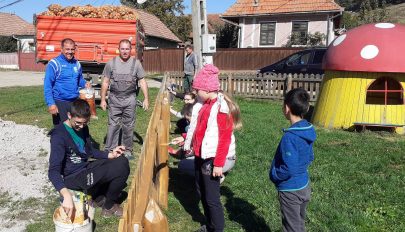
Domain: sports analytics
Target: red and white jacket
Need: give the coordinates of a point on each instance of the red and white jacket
(215, 144)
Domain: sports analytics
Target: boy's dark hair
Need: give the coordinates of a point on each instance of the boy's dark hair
(298, 101)
(67, 40)
(187, 110)
(80, 109)
(190, 47)
(191, 94)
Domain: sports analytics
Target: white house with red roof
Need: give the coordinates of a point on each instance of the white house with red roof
(270, 23)
(19, 29)
(158, 35)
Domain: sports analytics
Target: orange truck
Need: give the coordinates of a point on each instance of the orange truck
(96, 39)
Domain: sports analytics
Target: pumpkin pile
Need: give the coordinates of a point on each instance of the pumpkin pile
(88, 11)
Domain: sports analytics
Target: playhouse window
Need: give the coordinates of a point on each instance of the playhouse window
(385, 91)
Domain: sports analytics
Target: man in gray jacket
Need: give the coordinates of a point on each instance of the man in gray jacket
(122, 74)
(190, 68)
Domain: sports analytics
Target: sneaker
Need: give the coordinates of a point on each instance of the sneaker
(128, 155)
(116, 210)
(203, 228)
(221, 179)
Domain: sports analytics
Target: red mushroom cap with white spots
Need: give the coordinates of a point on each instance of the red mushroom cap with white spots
(369, 48)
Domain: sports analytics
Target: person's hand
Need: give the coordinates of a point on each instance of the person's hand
(177, 140)
(217, 172)
(103, 105)
(116, 152)
(145, 104)
(67, 204)
(53, 109)
(88, 84)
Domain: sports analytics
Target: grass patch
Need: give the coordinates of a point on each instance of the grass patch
(358, 180)
(25, 105)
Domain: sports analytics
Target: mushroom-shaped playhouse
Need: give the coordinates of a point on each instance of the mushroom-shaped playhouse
(364, 79)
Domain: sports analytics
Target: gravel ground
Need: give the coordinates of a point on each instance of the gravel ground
(24, 158)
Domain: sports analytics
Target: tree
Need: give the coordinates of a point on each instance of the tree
(227, 34)
(170, 12)
(312, 40)
(372, 11)
(8, 44)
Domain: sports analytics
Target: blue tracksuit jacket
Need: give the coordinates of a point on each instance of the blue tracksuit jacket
(62, 80)
(289, 169)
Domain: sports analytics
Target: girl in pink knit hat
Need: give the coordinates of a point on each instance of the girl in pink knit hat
(213, 143)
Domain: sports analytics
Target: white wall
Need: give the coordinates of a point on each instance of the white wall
(250, 27)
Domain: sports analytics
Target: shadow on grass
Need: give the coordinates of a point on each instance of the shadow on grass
(182, 187)
(137, 138)
(26, 109)
(242, 212)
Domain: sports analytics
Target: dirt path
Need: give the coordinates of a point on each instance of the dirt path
(24, 183)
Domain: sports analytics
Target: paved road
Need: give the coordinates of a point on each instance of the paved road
(23, 78)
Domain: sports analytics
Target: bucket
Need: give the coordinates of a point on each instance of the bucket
(88, 95)
(63, 225)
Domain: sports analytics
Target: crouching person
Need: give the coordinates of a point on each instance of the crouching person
(69, 166)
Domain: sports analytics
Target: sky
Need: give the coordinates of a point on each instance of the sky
(27, 8)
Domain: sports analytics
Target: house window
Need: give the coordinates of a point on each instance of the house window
(267, 33)
(385, 91)
(299, 32)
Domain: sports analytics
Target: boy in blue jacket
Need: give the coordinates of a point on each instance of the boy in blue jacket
(289, 169)
(70, 168)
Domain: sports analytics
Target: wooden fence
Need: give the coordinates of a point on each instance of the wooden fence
(231, 59)
(9, 60)
(266, 86)
(27, 62)
(151, 178)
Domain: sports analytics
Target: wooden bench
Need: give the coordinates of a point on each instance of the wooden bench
(363, 126)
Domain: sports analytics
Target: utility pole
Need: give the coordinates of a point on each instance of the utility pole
(204, 43)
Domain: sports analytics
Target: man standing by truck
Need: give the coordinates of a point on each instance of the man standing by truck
(123, 74)
(63, 77)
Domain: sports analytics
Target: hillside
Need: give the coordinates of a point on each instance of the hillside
(396, 13)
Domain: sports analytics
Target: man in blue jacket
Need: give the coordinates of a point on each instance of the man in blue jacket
(69, 166)
(289, 169)
(63, 77)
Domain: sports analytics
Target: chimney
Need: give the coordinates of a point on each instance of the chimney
(255, 2)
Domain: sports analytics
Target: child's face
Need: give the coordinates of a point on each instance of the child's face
(203, 95)
(189, 99)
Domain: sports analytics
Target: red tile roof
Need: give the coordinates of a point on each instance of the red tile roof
(12, 24)
(246, 7)
(154, 27)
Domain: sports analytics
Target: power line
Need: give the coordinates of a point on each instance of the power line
(10, 4)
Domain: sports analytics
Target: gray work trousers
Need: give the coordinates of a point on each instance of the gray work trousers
(293, 207)
(121, 115)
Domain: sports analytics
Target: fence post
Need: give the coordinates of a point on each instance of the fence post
(163, 137)
(230, 83)
(289, 82)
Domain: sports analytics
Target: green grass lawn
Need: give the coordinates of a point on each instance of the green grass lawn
(358, 179)
(25, 105)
